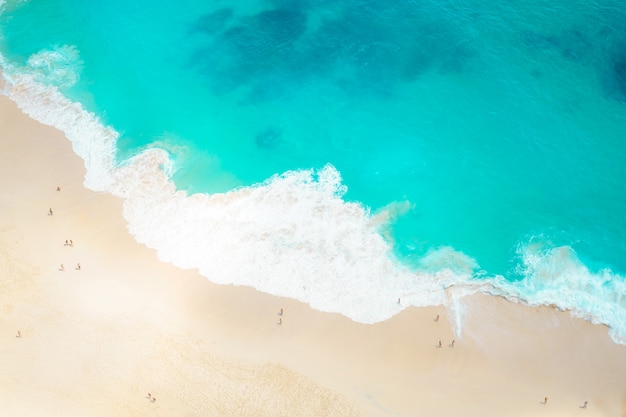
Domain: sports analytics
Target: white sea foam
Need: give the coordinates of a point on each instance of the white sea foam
(295, 236)
(291, 236)
(93, 142)
(555, 276)
(60, 66)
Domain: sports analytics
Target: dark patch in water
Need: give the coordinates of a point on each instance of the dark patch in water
(265, 37)
(380, 45)
(269, 138)
(574, 44)
(280, 25)
(253, 51)
(369, 48)
(601, 48)
(619, 76)
(214, 22)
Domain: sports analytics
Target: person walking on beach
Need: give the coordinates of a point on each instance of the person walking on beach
(439, 345)
(71, 243)
(280, 322)
(281, 312)
(19, 334)
(58, 188)
(78, 266)
(66, 243)
(62, 268)
(50, 212)
(545, 400)
(585, 404)
(452, 344)
(437, 318)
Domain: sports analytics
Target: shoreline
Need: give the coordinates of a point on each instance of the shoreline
(98, 339)
(220, 223)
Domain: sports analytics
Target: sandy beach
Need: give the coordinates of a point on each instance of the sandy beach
(96, 340)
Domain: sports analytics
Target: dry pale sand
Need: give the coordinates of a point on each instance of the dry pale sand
(96, 341)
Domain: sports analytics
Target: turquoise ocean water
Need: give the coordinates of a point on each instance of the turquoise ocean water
(355, 150)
